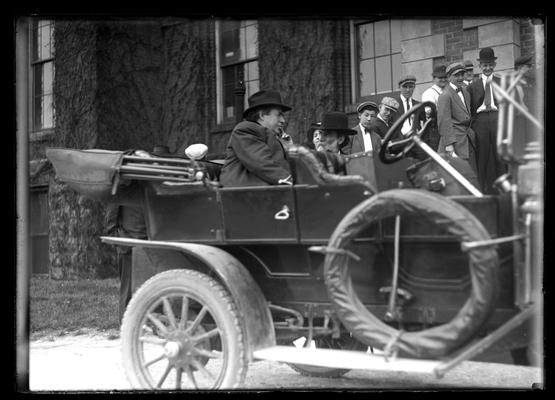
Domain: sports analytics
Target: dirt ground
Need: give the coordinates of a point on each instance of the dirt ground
(92, 362)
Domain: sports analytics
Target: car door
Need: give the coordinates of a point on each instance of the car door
(259, 214)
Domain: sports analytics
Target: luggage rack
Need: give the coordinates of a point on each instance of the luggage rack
(159, 169)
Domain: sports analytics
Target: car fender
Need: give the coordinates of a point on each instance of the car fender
(247, 295)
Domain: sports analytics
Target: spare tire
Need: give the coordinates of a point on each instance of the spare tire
(439, 340)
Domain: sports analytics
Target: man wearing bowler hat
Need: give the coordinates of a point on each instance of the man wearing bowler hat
(255, 155)
(457, 139)
(483, 108)
(468, 72)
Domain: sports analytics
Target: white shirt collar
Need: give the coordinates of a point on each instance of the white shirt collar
(362, 128)
(453, 86)
(380, 117)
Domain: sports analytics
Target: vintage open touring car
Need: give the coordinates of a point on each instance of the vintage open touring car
(329, 274)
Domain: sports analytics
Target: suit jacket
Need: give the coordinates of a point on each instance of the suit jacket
(477, 92)
(454, 122)
(418, 117)
(379, 127)
(362, 163)
(254, 157)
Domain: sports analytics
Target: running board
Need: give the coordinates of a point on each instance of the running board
(345, 359)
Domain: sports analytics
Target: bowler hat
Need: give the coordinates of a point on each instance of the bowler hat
(406, 79)
(523, 60)
(336, 121)
(486, 55)
(454, 68)
(265, 98)
(468, 65)
(390, 103)
(367, 104)
(439, 71)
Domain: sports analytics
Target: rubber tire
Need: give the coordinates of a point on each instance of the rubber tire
(440, 340)
(326, 372)
(205, 290)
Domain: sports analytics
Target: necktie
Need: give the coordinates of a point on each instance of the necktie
(487, 99)
(408, 108)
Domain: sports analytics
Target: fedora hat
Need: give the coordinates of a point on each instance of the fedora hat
(336, 121)
(265, 98)
(486, 55)
(367, 104)
(468, 65)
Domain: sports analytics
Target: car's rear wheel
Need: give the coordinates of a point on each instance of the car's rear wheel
(457, 221)
(181, 330)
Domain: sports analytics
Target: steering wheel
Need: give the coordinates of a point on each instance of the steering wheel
(391, 152)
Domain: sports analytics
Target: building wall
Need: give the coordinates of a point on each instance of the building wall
(427, 42)
(75, 222)
(108, 94)
(189, 101)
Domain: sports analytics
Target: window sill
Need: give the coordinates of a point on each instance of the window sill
(40, 136)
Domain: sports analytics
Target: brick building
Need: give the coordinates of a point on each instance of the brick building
(133, 83)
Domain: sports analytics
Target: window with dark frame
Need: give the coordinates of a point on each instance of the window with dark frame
(378, 57)
(42, 74)
(238, 61)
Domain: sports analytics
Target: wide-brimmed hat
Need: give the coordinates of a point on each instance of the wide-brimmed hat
(523, 60)
(265, 98)
(336, 121)
(367, 104)
(454, 68)
(486, 55)
(390, 103)
(439, 71)
(407, 79)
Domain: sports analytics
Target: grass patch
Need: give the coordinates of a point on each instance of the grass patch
(77, 307)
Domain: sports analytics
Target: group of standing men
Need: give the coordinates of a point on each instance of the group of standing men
(463, 125)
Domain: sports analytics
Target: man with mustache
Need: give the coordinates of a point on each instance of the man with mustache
(255, 155)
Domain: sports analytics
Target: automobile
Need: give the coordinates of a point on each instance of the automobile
(417, 273)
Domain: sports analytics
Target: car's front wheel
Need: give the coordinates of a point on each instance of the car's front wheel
(182, 330)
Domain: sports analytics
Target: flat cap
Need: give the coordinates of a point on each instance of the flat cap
(367, 104)
(406, 79)
(390, 103)
(454, 68)
(468, 65)
(523, 60)
(439, 71)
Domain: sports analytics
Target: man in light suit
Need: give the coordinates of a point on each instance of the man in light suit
(457, 139)
(364, 146)
(484, 113)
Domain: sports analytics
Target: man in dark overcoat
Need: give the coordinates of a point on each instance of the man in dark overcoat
(255, 155)
(483, 107)
(457, 139)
